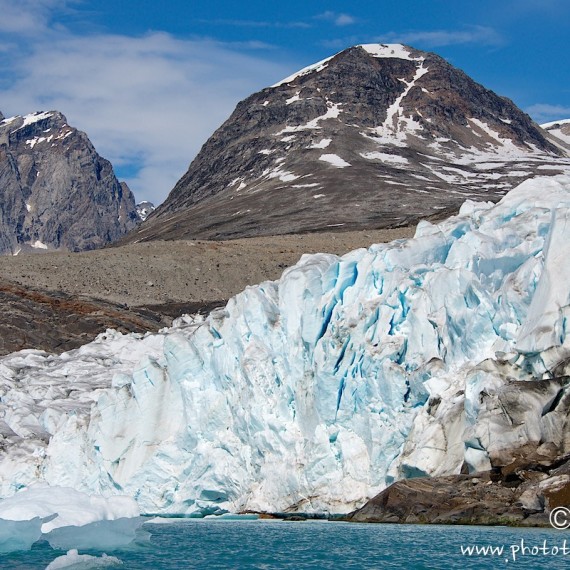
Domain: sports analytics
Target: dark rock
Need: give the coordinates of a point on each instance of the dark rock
(62, 322)
(56, 191)
(465, 499)
(418, 144)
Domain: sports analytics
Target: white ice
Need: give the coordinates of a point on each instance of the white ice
(66, 518)
(77, 561)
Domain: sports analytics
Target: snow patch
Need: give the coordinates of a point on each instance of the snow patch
(554, 123)
(323, 143)
(398, 51)
(385, 157)
(293, 99)
(38, 140)
(333, 112)
(335, 160)
(29, 119)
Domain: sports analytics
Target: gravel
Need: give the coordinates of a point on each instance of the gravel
(170, 272)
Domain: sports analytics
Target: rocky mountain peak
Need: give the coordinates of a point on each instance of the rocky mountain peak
(57, 192)
(145, 209)
(378, 135)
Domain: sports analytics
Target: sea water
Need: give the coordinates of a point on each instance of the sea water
(225, 544)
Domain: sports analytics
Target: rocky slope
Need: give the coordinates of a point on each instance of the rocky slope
(63, 322)
(57, 192)
(376, 136)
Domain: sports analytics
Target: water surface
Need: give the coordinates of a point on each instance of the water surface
(218, 544)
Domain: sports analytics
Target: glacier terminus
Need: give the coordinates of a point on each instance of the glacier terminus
(315, 392)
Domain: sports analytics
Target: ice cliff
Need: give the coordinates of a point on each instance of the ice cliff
(316, 391)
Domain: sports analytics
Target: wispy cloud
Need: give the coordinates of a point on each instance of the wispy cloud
(543, 112)
(482, 35)
(30, 16)
(338, 19)
(254, 23)
(147, 103)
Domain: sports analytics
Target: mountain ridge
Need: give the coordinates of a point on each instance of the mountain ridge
(375, 136)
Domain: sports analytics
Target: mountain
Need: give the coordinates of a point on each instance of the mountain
(144, 210)
(375, 136)
(443, 354)
(56, 191)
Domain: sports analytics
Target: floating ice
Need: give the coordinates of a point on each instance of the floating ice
(67, 519)
(99, 535)
(19, 535)
(83, 561)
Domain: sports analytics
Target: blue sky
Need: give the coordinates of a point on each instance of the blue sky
(150, 81)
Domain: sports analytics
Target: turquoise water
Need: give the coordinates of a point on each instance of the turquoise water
(210, 544)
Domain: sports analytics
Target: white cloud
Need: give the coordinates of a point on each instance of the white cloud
(147, 103)
(543, 112)
(481, 35)
(338, 19)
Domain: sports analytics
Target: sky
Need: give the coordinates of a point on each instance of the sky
(150, 81)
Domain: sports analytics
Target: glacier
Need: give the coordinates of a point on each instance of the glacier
(314, 392)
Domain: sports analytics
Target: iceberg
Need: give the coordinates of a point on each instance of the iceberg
(67, 519)
(19, 535)
(315, 392)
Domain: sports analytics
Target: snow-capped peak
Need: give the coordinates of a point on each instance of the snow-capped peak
(319, 66)
(399, 51)
(144, 210)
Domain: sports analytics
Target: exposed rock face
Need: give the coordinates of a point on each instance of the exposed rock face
(376, 136)
(63, 322)
(525, 498)
(520, 430)
(56, 191)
